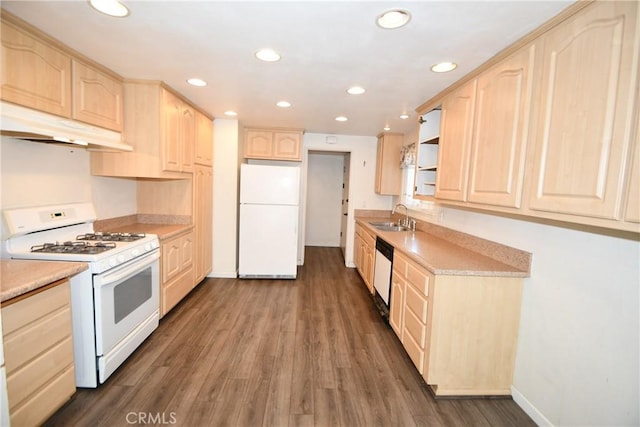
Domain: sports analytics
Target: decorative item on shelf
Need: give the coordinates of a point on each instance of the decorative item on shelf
(408, 155)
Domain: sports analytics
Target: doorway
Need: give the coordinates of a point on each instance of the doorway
(327, 199)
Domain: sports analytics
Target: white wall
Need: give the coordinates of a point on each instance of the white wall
(362, 194)
(225, 198)
(578, 353)
(44, 174)
(324, 197)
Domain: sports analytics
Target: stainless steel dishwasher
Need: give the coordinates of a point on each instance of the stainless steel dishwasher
(382, 276)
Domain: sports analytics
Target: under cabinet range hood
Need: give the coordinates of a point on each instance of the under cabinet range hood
(32, 125)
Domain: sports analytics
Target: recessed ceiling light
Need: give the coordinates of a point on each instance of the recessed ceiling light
(444, 67)
(283, 104)
(110, 7)
(230, 113)
(355, 90)
(387, 128)
(197, 82)
(341, 119)
(267, 55)
(394, 18)
(404, 116)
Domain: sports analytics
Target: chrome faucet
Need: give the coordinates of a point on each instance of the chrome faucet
(403, 222)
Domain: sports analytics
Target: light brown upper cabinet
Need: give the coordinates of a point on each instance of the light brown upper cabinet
(179, 133)
(97, 97)
(160, 126)
(273, 144)
(553, 129)
(204, 140)
(35, 73)
(388, 171)
(498, 148)
(632, 212)
(40, 73)
(456, 125)
(589, 81)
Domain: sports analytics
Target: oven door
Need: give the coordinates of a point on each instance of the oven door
(125, 298)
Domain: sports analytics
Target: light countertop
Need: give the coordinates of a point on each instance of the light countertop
(164, 231)
(441, 256)
(17, 277)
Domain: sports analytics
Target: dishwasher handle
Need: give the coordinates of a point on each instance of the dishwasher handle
(384, 248)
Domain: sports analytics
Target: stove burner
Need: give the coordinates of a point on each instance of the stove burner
(112, 237)
(74, 248)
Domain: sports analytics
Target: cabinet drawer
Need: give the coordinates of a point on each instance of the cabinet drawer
(400, 264)
(28, 310)
(23, 382)
(418, 278)
(27, 343)
(417, 303)
(414, 351)
(172, 293)
(414, 327)
(41, 406)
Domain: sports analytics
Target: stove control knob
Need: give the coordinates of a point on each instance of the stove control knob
(113, 262)
(148, 247)
(121, 258)
(135, 252)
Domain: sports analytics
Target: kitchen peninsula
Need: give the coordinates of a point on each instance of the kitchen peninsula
(455, 305)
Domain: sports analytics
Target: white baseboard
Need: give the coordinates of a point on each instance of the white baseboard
(529, 409)
(223, 274)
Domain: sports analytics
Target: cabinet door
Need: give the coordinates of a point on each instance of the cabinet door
(172, 117)
(503, 106)
(286, 146)
(171, 259)
(258, 144)
(204, 140)
(396, 304)
(97, 97)
(587, 95)
(388, 172)
(632, 212)
(455, 142)
(34, 74)
(357, 252)
(187, 139)
(203, 192)
(369, 266)
(186, 251)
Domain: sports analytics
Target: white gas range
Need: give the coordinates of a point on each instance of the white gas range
(115, 303)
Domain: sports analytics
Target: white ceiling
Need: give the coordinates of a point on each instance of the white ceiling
(325, 46)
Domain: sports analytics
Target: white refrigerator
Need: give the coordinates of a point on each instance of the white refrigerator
(268, 242)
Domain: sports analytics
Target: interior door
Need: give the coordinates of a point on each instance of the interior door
(345, 204)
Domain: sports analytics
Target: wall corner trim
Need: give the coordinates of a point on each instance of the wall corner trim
(529, 409)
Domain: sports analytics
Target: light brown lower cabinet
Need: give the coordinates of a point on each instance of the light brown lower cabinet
(459, 331)
(364, 250)
(38, 348)
(177, 274)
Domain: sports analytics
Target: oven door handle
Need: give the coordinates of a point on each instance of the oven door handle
(127, 270)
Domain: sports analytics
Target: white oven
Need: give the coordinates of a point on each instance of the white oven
(126, 301)
(115, 303)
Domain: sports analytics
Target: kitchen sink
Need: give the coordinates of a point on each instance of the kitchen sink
(388, 226)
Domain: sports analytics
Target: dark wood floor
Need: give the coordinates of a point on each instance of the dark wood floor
(308, 352)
